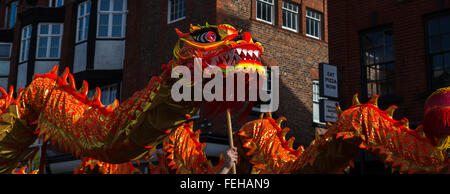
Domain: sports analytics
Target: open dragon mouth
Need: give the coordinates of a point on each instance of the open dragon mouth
(242, 58)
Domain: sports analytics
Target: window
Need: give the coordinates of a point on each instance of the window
(49, 41)
(316, 100)
(438, 38)
(265, 10)
(25, 43)
(313, 24)
(378, 61)
(290, 16)
(109, 93)
(56, 3)
(84, 10)
(11, 14)
(176, 10)
(111, 18)
(5, 50)
(5, 54)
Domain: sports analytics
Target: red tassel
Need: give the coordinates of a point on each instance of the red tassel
(436, 123)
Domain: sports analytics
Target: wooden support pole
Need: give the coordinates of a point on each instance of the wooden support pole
(230, 137)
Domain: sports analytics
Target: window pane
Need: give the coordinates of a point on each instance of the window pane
(43, 29)
(118, 5)
(56, 29)
(5, 50)
(60, 3)
(88, 8)
(104, 19)
(104, 5)
(116, 31)
(54, 42)
(42, 48)
(103, 31)
(103, 25)
(264, 12)
(81, 9)
(117, 26)
(445, 24)
(447, 62)
(446, 42)
(284, 18)
(42, 52)
(289, 22)
(117, 19)
(80, 29)
(437, 66)
(435, 44)
(4, 83)
(433, 27)
(4, 68)
(12, 14)
(54, 53)
(259, 8)
(86, 28)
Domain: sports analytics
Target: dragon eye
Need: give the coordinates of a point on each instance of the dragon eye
(211, 36)
(206, 37)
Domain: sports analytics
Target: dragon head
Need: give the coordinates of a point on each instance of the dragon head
(218, 46)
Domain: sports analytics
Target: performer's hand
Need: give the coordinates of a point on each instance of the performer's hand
(230, 157)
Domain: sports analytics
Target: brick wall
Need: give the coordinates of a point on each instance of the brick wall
(297, 56)
(349, 17)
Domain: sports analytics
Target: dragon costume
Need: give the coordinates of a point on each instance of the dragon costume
(109, 137)
(51, 106)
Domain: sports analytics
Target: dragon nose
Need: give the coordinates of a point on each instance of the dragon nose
(247, 36)
(244, 36)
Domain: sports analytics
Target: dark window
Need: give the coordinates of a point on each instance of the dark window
(176, 10)
(5, 54)
(378, 62)
(438, 39)
(11, 14)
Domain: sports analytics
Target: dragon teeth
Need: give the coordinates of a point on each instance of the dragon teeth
(239, 50)
(250, 52)
(256, 53)
(245, 52)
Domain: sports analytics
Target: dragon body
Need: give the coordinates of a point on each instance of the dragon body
(109, 137)
(361, 127)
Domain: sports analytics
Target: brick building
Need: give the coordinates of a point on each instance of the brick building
(126, 42)
(399, 49)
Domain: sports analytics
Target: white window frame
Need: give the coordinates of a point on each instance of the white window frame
(110, 14)
(271, 4)
(169, 3)
(85, 18)
(25, 40)
(56, 3)
(291, 9)
(316, 100)
(49, 37)
(309, 16)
